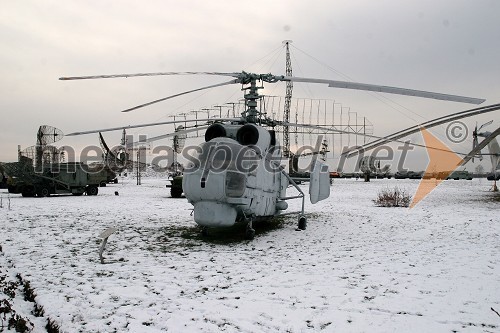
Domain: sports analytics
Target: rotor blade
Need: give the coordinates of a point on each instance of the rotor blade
(480, 146)
(387, 89)
(105, 146)
(183, 93)
(484, 125)
(447, 118)
(112, 76)
(152, 124)
(326, 129)
(163, 136)
(427, 125)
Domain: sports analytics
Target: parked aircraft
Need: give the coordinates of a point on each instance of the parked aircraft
(236, 175)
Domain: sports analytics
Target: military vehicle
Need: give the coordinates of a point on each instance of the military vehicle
(41, 170)
(3, 177)
(76, 178)
(459, 174)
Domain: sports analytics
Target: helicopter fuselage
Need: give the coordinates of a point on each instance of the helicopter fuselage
(235, 176)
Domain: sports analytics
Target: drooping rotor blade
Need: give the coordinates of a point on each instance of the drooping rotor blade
(484, 125)
(428, 124)
(180, 94)
(447, 118)
(112, 76)
(151, 124)
(103, 143)
(327, 129)
(167, 135)
(387, 89)
(480, 146)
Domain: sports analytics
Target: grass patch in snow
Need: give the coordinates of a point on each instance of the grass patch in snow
(191, 236)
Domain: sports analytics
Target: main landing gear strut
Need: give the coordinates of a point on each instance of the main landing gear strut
(250, 231)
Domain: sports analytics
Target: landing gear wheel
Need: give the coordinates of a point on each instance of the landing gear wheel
(204, 231)
(249, 234)
(250, 231)
(175, 192)
(302, 222)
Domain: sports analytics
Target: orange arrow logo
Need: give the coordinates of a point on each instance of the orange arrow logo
(441, 165)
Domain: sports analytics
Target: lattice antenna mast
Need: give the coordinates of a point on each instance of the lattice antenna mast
(124, 138)
(288, 101)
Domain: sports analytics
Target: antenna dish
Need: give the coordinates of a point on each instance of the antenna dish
(47, 135)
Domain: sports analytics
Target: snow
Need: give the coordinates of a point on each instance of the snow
(357, 267)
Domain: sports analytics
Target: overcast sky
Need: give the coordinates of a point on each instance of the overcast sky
(448, 46)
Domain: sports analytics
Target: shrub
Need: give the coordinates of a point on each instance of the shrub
(393, 198)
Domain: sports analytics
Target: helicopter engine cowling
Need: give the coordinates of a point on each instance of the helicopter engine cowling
(246, 135)
(253, 135)
(215, 131)
(221, 131)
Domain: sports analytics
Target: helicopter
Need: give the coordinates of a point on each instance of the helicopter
(236, 175)
(490, 140)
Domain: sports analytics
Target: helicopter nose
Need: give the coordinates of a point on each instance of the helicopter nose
(214, 214)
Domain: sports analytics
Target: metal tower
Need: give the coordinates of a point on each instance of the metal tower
(288, 101)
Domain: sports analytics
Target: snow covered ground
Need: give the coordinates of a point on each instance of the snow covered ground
(357, 267)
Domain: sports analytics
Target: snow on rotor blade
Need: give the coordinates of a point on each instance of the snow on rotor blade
(387, 89)
(112, 76)
(151, 124)
(180, 94)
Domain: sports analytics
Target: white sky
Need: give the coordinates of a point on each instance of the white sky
(448, 46)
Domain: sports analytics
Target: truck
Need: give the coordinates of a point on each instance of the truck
(462, 174)
(76, 178)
